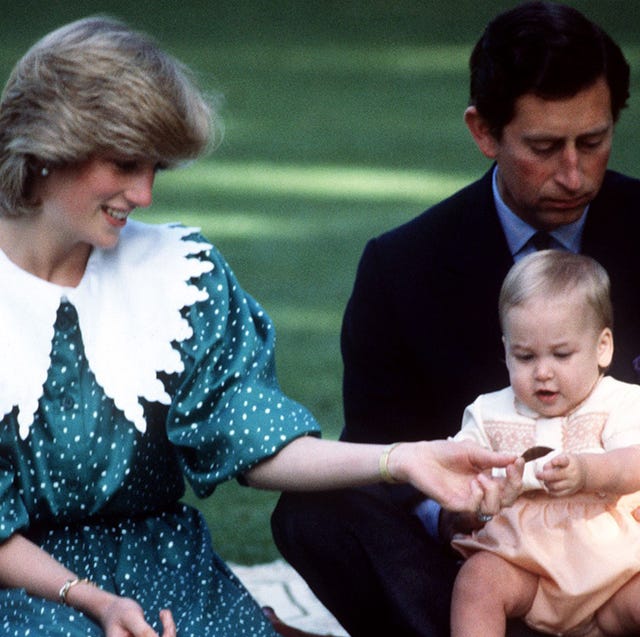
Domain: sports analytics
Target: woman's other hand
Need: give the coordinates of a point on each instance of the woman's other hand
(124, 617)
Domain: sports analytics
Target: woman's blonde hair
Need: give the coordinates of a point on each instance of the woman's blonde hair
(557, 272)
(95, 87)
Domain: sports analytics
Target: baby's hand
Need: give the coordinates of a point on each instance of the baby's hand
(513, 486)
(563, 475)
(501, 490)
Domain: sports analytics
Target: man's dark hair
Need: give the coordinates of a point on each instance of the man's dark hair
(546, 49)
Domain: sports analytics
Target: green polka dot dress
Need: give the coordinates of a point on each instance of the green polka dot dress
(156, 368)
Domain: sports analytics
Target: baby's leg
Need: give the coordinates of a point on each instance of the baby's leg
(621, 614)
(487, 591)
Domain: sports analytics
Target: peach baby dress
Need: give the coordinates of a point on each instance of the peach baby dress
(582, 547)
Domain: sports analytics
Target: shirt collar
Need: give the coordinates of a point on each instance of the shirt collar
(518, 232)
(128, 329)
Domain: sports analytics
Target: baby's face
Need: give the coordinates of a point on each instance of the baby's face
(554, 352)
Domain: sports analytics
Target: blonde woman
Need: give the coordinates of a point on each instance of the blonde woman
(132, 359)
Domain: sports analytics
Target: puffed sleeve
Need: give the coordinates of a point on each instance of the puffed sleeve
(472, 428)
(228, 411)
(622, 401)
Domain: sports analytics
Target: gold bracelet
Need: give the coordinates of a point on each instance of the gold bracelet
(69, 584)
(383, 464)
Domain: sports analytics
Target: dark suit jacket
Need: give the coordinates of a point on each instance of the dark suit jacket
(420, 337)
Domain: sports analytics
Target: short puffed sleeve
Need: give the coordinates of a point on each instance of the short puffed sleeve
(227, 411)
(622, 402)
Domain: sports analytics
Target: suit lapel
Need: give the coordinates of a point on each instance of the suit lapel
(482, 250)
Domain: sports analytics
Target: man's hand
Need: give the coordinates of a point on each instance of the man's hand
(452, 523)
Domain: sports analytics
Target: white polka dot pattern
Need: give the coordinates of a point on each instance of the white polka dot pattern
(102, 496)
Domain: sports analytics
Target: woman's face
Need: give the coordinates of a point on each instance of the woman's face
(89, 203)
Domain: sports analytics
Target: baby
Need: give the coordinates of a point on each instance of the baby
(566, 556)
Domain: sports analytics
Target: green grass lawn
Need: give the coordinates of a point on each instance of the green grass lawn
(342, 119)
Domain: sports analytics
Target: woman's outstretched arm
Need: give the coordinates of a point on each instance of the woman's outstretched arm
(444, 470)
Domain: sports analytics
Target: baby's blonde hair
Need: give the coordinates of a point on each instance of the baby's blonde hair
(554, 273)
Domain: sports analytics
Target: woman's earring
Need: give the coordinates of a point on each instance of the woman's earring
(44, 172)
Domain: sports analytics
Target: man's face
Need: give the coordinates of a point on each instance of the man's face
(553, 154)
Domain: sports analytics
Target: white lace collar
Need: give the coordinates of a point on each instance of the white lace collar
(128, 305)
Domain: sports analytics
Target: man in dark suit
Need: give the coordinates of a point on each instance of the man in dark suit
(420, 336)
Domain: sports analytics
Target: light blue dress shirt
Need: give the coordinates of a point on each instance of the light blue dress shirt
(518, 233)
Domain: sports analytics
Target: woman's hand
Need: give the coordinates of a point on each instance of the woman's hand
(23, 564)
(124, 617)
(453, 474)
(447, 471)
(498, 493)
